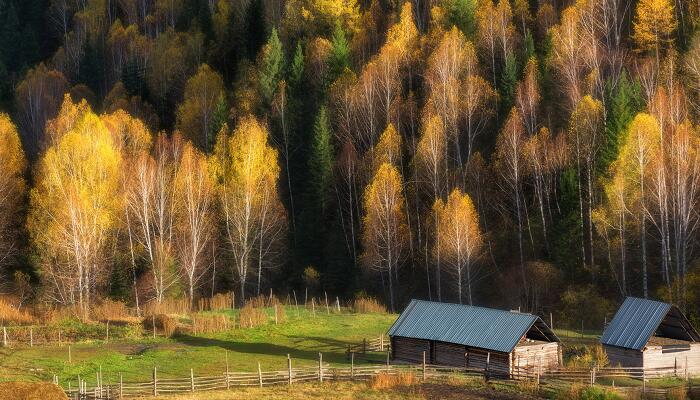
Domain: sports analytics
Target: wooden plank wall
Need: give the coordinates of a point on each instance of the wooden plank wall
(673, 358)
(544, 356)
(449, 354)
(619, 357)
(408, 349)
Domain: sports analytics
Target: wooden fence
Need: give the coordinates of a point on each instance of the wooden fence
(324, 372)
(379, 344)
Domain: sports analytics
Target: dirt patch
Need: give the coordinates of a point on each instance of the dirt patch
(31, 391)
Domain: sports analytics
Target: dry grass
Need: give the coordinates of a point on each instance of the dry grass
(164, 324)
(528, 386)
(31, 391)
(365, 305)
(390, 381)
(168, 306)
(251, 316)
(280, 313)
(263, 301)
(588, 356)
(210, 323)
(221, 301)
(677, 393)
(10, 315)
(110, 310)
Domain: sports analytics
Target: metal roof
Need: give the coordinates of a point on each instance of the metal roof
(472, 326)
(634, 323)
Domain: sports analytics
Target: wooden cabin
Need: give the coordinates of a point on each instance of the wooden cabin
(473, 337)
(654, 336)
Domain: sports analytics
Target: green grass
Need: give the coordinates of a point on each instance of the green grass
(302, 336)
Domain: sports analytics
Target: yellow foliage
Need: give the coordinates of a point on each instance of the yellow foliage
(654, 24)
(195, 114)
(74, 206)
(388, 149)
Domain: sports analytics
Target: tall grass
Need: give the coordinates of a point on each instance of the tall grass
(110, 310)
(10, 315)
(220, 301)
(251, 316)
(364, 305)
(168, 306)
(210, 323)
(389, 381)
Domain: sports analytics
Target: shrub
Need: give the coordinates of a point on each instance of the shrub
(251, 316)
(10, 315)
(365, 305)
(580, 391)
(584, 304)
(588, 356)
(388, 381)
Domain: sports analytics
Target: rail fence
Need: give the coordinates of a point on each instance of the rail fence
(557, 378)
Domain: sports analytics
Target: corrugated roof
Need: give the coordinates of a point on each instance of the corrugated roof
(472, 326)
(634, 323)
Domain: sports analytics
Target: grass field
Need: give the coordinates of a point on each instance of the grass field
(302, 336)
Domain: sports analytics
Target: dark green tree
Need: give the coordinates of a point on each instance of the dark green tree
(340, 53)
(509, 78)
(462, 14)
(272, 66)
(624, 102)
(255, 28)
(321, 161)
(221, 113)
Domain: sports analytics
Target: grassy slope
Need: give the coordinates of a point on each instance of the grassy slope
(301, 336)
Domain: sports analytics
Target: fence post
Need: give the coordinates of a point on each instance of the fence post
(352, 364)
(289, 368)
(423, 366)
(381, 342)
(328, 310)
(337, 303)
(107, 338)
(153, 319)
(4, 337)
(644, 380)
(228, 384)
(155, 382)
(387, 360)
(70, 358)
(59, 338)
(313, 307)
(191, 379)
(121, 386)
(260, 380)
(31, 337)
(488, 364)
(320, 367)
(275, 314)
(296, 305)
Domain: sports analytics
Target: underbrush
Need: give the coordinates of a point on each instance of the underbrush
(580, 391)
(11, 315)
(210, 323)
(251, 316)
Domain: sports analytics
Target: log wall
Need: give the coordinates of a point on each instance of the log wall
(543, 356)
(674, 358)
(411, 350)
(619, 357)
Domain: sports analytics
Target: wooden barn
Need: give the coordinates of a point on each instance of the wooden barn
(473, 337)
(654, 336)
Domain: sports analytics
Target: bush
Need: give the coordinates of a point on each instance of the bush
(588, 356)
(251, 317)
(580, 391)
(364, 305)
(388, 381)
(585, 304)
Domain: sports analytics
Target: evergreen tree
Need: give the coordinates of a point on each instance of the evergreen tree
(272, 66)
(220, 118)
(625, 101)
(321, 162)
(462, 14)
(509, 78)
(340, 54)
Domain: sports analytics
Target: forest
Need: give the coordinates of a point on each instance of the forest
(541, 155)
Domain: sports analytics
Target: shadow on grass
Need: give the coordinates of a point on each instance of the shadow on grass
(267, 349)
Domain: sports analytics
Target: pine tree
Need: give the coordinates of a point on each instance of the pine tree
(321, 161)
(340, 54)
(462, 14)
(625, 101)
(272, 66)
(220, 118)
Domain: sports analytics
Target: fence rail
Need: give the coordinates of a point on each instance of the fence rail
(324, 372)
